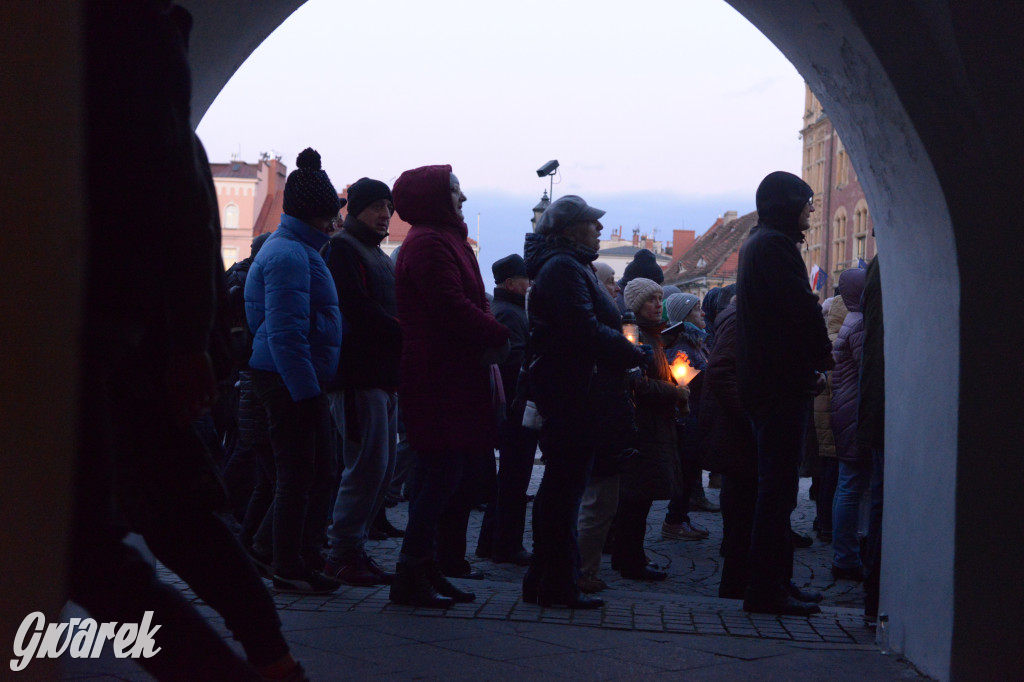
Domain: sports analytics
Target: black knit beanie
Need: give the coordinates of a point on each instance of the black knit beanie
(644, 264)
(308, 193)
(364, 192)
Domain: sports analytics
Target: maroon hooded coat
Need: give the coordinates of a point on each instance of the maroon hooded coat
(446, 322)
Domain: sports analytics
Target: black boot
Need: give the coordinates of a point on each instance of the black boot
(440, 583)
(382, 529)
(413, 587)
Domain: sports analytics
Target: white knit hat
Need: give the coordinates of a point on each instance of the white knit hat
(638, 291)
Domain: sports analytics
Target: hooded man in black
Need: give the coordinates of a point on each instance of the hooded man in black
(782, 344)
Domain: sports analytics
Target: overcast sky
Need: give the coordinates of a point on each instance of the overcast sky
(666, 113)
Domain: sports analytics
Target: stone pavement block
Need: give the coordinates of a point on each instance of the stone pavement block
(834, 666)
(662, 653)
(427, 661)
(732, 647)
(591, 666)
(504, 647)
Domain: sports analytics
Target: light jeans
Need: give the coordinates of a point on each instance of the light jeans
(368, 422)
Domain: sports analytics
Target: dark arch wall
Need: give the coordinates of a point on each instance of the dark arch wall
(927, 96)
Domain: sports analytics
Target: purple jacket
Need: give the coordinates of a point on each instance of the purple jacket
(846, 376)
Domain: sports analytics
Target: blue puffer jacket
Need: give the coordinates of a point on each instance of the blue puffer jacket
(291, 305)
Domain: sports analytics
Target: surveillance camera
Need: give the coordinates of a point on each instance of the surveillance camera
(547, 169)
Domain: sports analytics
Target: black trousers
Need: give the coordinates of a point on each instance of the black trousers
(300, 436)
(501, 534)
(442, 496)
(738, 501)
(630, 530)
(556, 556)
(780, 437)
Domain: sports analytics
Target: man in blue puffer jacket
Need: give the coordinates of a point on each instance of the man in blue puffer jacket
(291, 306)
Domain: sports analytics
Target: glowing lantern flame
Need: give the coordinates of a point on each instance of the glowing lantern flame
(682, 371)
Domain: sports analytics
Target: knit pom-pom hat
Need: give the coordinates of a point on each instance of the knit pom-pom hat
(308, 193)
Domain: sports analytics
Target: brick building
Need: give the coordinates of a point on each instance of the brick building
(250, 199)
(711, 260)
(840, 235)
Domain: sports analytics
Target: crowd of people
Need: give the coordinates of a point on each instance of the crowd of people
(630, 388)
(350, 379)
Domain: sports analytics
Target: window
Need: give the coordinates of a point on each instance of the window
(230, 256)
(231, 217)
(839, 240)
(842, 166)
(861, 229)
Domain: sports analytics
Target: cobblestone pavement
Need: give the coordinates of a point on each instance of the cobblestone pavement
(692, 566)
(677, 629)
(685, 603)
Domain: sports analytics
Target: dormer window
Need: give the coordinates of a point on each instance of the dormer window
(701, 262)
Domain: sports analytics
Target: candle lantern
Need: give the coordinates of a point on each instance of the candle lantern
(682, 371)
(629, 327)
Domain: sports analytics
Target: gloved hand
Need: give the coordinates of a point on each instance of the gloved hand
(311, 411)
(648, 356)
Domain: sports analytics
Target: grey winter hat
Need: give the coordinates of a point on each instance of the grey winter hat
(669, 289)
(638, 291)
(678, 306)
(565, 211)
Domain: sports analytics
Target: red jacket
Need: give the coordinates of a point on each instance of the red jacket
(446, 322)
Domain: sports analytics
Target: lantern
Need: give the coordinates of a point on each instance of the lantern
(629, 327)
(682, 372)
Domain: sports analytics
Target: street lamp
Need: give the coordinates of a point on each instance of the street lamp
(539, 209)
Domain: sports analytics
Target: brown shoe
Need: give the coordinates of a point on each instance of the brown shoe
(354, 569)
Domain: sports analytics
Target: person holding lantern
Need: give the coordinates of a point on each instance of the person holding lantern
(657, 474)
(687, 347)
(577, 375)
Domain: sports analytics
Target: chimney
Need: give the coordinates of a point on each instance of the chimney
(636, 236)
(729, 217)
(682, 240)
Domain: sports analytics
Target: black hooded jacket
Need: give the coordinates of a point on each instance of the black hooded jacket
(579, 359)
(781, 338)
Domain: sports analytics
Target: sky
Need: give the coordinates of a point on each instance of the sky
(665, 113)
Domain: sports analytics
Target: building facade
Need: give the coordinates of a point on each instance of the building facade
(841, 225)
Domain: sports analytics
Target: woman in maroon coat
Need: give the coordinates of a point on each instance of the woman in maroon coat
(450, 339)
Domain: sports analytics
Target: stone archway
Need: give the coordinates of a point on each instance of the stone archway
(926, 95)
(915, 91)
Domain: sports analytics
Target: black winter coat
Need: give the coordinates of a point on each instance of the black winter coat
(781, 339)
(577, 370)
(371, 337)
(871, 409)
(728, 445)
(509, 308)
(657, 473)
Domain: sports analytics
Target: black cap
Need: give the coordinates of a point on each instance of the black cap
(509, 266)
